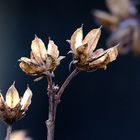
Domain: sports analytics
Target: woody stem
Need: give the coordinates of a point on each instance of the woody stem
(67, 81)
(51, 118)
(54, 99)
(50, 123)
(9, 130)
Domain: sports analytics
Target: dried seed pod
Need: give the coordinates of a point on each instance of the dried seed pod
(82, 50)
(42, 60)
(14, 107)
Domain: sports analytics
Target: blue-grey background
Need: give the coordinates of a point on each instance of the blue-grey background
(104, 105)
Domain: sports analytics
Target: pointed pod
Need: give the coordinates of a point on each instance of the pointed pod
(1, 101)
(76, 39)
(53, 49)
(29, 66)
(102, 58)
(113, 52)
(26, 100)
(12, 97)
(91, 40)
(38, 50)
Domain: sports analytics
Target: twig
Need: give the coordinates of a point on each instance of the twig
(9, 130)
(70, 77)
(52, 110)
(53, 102)
(51, 117)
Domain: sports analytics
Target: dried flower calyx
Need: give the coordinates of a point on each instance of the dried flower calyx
(82, 50)
(119, 10)
(42, 61)
(14, 107)
(123, 23)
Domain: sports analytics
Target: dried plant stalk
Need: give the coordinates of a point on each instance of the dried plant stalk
(71, 76)
(54, 99)
(51, 117)
(9, 130)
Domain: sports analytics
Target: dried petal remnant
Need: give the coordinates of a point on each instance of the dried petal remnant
(82, 49)
(12, 97)
(42, 60)
(14, 108)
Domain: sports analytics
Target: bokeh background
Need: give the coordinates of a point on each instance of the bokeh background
(103, 105)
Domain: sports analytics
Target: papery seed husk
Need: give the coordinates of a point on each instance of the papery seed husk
(76, 39)
(53, 49)
(12, 97)
(39, 51)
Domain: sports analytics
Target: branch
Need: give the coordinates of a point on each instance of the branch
(53, 102)
(66, 82)
(50, 123)
(9, 130)
(50, 85)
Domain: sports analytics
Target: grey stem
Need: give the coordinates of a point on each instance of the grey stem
(9, 130)
(51, 117)
(50, 123)
(53, 102)
(70, 77)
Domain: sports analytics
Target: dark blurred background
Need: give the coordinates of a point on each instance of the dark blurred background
(103, 105)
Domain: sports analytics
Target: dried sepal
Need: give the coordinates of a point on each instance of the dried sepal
(26, 100)
(38, 50)
(30, 68)
(91, 40)
(12, 97)
(1, 104)
(1, 99)
(53, 49)
(112, 53)
(59, 59)
(76, 39)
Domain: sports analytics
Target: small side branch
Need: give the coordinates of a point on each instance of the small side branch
(54, 98)
(67, 81)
